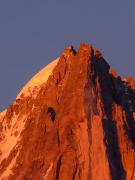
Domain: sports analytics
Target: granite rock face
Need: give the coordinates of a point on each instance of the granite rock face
(79, 125)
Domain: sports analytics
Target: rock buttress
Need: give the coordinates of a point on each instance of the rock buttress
(80, 126)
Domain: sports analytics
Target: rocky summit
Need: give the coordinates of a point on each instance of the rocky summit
(74, 120)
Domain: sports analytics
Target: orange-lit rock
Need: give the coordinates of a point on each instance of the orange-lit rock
(77, 123)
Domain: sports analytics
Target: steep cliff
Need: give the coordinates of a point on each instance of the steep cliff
(75, 120)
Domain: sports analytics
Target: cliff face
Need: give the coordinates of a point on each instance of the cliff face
(79, 125)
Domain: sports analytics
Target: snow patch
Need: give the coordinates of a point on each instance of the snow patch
(40, 78)
(10, 135)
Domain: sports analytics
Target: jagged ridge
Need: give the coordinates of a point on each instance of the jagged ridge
(79, 125)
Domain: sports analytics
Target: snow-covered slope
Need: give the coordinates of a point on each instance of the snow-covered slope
(12, 123)
(40, 78)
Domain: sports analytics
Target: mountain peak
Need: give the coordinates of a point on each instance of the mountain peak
(86, 49)
(74, 120)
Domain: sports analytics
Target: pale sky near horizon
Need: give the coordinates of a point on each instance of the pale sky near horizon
(34, 32)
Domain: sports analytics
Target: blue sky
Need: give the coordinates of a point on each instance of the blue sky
(34, 32)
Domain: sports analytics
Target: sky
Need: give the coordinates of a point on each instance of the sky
(34, 32)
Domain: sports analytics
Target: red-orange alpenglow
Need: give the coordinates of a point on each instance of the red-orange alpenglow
(75, 120)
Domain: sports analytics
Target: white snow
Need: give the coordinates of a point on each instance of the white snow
(40, 78)
(10, 135)
(11, 129)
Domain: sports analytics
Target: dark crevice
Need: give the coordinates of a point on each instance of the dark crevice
(52, 113)
(125, 97)
(111, 93)
(112, 149)
(115, 90)
(101, 69)
(58, 169)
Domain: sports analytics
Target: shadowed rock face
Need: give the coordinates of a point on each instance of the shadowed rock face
(80, 124)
